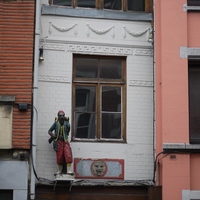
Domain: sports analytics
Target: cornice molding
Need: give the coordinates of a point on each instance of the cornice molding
(59, 79)
(55, 47)
(141, 83)
(144, 52)
(98, 49)
(106, 50)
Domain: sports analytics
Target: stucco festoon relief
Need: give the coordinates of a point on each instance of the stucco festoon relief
(62, 29)
(135, 34)
(99, 31)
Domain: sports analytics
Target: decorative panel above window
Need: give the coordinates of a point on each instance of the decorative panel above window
(99, 98)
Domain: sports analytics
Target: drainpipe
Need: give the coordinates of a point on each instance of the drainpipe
(35, 92)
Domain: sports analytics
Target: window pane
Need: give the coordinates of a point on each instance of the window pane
(85, 99)
(111, 122)
(113, 4)
(193, 2)
(86, 3)
(86, 67)
(194, 104)
(6, 194)
(111, 125)
(62, 2)
(85, 112)
(111, 69)
(111, 99)
(85, 125)
(136, 5)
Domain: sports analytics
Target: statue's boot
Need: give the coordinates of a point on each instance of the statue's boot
(59, 169)
(69, 171)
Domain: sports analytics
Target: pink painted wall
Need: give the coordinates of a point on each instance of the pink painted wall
(195, 172)
(173, 70)
(176, 176)
(174, 28)
(193, 29)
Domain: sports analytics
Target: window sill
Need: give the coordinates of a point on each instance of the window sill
(99, 140)
(7, 98)
(181, 147)
(190, 8)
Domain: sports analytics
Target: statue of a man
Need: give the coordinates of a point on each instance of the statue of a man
(62, 147)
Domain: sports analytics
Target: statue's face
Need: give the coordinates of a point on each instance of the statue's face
(98, 168)
(61, 118)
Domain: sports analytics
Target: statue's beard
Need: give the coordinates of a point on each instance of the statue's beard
(61, 121)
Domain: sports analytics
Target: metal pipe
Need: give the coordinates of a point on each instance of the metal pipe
(35, 92)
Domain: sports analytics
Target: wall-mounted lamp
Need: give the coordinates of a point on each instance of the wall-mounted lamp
(41, 54)
(150, 36)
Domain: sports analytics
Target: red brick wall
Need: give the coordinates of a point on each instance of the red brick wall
(16, 63)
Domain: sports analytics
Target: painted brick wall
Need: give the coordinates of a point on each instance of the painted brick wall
(55, 91)
(16, 61)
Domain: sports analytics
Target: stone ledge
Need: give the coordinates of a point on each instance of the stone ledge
(190, 8)
(181, 147)
(7, 98)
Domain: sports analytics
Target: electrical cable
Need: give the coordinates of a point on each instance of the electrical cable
(155, 166)
(32, 164)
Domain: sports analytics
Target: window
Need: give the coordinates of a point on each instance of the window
(6, 117)
(193, 2)
(194, 102)
(135, 5)
(6, 194)
(99, 98)
(125, 5)
(86, 3)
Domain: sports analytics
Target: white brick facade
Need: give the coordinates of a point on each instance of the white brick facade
(63, 36)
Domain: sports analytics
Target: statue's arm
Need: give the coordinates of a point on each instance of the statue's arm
(52, 128)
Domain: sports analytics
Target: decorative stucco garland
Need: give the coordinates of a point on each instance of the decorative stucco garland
(62, 29)
(134, 34)
(100, 32)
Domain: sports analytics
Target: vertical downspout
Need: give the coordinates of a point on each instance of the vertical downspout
(35, 92)
(154, 106)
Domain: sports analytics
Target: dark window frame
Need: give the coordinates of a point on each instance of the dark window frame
(193, 3)
(6, 194)
(99, 4)
(98, 84)
(194, 97)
